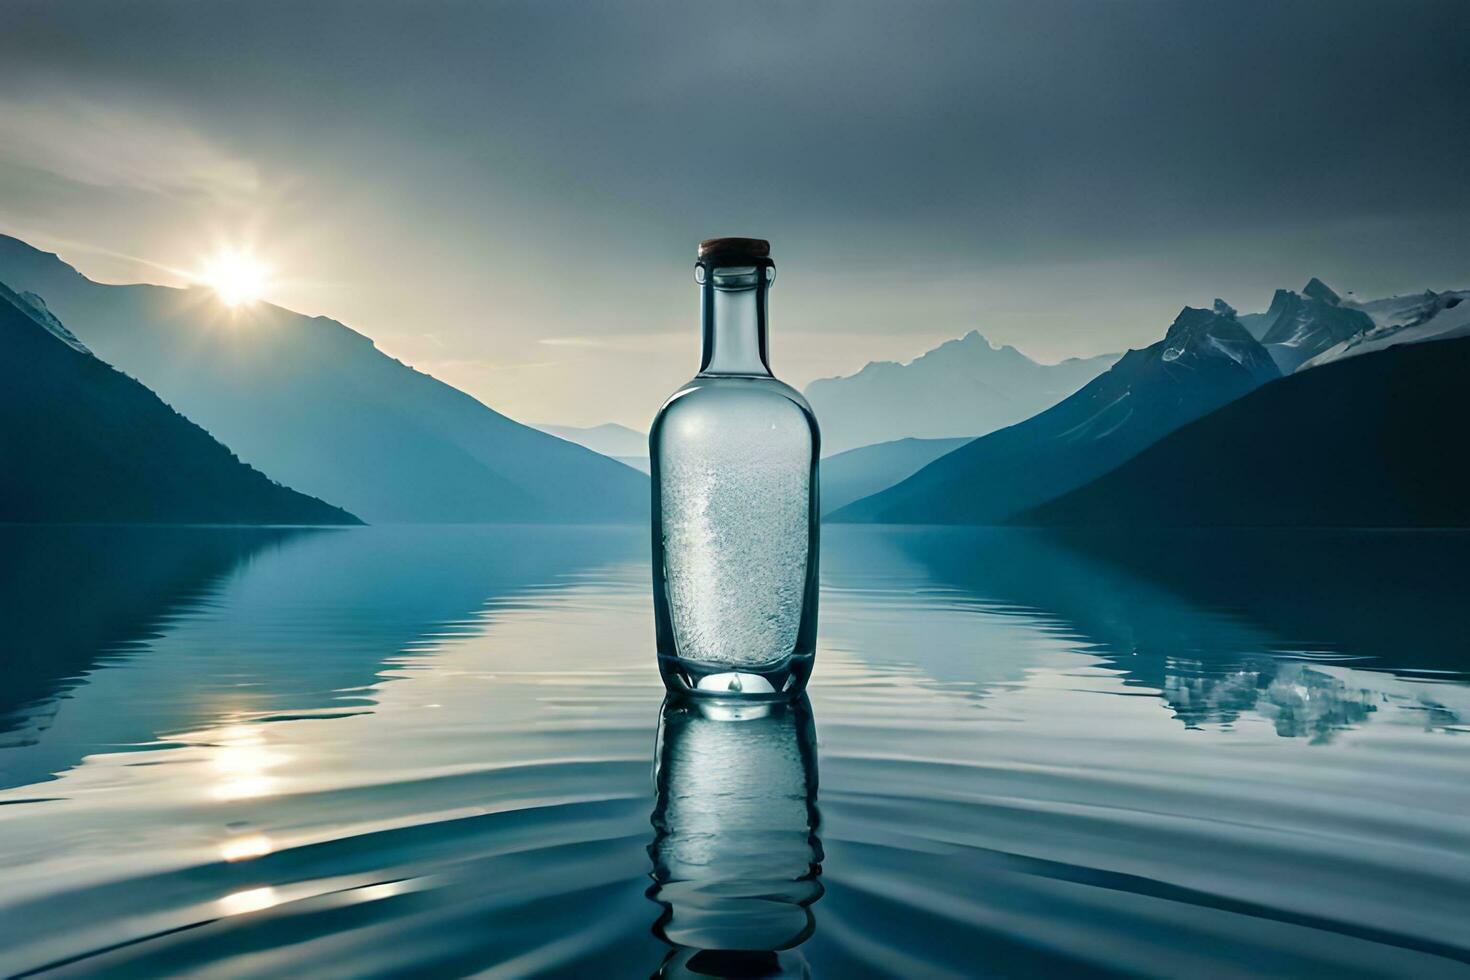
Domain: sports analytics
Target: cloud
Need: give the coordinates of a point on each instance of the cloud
(631, 343)
(114, 146)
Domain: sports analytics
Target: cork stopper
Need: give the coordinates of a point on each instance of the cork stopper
(715, 252)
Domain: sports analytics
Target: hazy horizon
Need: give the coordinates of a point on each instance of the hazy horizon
(508, 197)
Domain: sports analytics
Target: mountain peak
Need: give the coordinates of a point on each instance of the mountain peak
(1320, 291)
(1192, 320)
(965, 386)
(1198, 334)
(972, 341)
(981, 344)
(1223, 308)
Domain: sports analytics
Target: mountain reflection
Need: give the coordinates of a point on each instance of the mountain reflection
(736, 856)
(75, 598)
(223, 627)
(1310, 630)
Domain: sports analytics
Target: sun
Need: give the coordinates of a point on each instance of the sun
(238, 277)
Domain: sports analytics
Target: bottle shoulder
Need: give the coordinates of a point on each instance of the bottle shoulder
(706, 388)
(717, 401)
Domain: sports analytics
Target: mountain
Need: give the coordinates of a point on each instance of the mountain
(1404, 320)
(1299, 326)
(962, 388)
(860, 472)
(609, 439)
(319, 406)
(1373, 444)
(1206, 360)
(83, 442)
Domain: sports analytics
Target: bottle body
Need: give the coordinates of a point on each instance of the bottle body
(734, 473)
(733, 457)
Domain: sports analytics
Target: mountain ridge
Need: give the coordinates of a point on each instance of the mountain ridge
(96, 446)
(857, 473)
(316, 404)
(609, 438)
(1296, 327)
(964, 387)
(1205, 359)
(1367, 450)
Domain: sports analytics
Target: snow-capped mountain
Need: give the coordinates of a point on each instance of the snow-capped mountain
(1403, 320)
(962, 388)
(1206, 360)
(1299, 326)
(1370, 447)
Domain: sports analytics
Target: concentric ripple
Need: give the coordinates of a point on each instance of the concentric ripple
(431, 752)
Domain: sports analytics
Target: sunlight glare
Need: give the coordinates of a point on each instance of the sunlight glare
(245, 848)
(236, 276)
(240, 755)
(250, 900)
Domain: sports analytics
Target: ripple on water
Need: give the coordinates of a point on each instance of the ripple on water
(1063, 769)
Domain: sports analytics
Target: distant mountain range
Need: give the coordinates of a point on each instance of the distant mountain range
(1366, 441)
(855, 474)
(962, 388)
(968, 433)
(1207, 359)
(82, 442)
(318, 406)
(609, 439)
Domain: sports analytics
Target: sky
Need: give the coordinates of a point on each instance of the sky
(508, 195)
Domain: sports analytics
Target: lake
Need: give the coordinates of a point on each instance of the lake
(430, 751)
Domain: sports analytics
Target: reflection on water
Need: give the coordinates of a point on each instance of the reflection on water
(425, 751)
(219, 626)
(1225, 623)
(735, 852)
(72, 598)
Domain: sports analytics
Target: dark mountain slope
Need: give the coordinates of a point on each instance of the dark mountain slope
(82, 442)
(1371, 441)
(860, 472)
(317, 405)
(1206, 359)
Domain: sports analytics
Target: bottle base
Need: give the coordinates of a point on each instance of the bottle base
(779, 681)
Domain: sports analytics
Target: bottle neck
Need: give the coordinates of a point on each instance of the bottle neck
(734, 319)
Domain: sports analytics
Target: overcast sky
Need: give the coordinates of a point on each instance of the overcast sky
(509, 195)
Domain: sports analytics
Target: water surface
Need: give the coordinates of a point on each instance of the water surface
(430, 751)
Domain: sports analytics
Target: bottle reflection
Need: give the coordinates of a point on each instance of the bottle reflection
(736, 857)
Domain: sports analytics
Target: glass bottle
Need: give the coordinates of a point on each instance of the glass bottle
(736, 854)
(733, 458)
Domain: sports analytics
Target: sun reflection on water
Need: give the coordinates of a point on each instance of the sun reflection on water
(240, 755)
(250, 900)
(246, 847)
